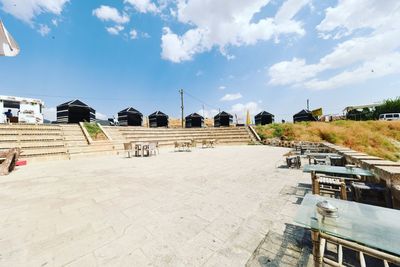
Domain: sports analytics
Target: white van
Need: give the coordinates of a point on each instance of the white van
(389, 117)
(23, 110)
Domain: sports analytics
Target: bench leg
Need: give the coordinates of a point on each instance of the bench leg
(316, 241)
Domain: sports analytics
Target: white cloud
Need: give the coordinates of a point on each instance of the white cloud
(143, 6)
(27, 10)
(208, 113)
(222, 87)
(133, 34)
(240, 110)
(107, 13)
(377, 68)
(44, 29)
(350, 15)
(288, 72)
(373, 48)
(101, 116)
(227, 23)
(231, 97)
(50, 114)
(145, 35)
(115, 30)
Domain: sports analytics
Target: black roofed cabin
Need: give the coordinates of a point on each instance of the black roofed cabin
(158, 119)
(264, 118)
(130, 117)
(75, 111)
(304, 115)
(223, 119)
(194, 120)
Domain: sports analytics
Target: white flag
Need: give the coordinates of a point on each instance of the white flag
(8, 46)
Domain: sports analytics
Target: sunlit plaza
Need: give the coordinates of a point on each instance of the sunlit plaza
(207, 207)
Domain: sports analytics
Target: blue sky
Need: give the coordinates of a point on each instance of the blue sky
(228, 55)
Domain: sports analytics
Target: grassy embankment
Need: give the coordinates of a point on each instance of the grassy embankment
(94, 131)
(377, 138)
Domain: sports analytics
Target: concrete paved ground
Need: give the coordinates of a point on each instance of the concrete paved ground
(211, 207)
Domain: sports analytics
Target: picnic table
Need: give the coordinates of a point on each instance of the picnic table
(321, 157)
(208, 143)
(183, 145)
(343, 174)
(367, 229)
(337, 170)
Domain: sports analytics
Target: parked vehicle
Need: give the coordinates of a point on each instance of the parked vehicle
(22, 110)
(389, 117)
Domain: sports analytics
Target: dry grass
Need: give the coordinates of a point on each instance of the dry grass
(372, 137)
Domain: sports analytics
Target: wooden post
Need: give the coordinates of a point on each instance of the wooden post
(315, 238)
(314, 183)
(343, 194)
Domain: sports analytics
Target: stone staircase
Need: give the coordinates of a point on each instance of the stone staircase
(167, 136)
(36, 141)
(78, 146)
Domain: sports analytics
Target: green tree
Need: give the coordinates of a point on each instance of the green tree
(389, 106)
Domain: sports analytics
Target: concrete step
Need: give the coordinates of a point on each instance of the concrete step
(93, 153)
(133, 135)
(47, 157)
(181, 131)
(26, 145)
(43, 151)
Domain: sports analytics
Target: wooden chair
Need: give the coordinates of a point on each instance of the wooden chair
(138, 150)
(153, 148)
(128, 148)
(326, 185)
(193, 143)
(204, 143)
(293, 162)
(370, 193)
(177, 146)
(146, 150)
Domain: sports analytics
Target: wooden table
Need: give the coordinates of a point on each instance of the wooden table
(342, 173)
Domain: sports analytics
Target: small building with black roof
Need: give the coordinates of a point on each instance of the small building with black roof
(264, 118)
(130, 117)
(194, 120)
(223, 119)
(304, 115)
(158, 119)
(75, 111)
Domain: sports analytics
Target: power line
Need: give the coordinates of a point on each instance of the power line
(199, 100)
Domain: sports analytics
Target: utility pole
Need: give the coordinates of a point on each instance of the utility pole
(181, 92)
(308, 104)
(203, 111)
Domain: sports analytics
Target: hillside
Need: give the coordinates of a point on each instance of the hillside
(378, 138)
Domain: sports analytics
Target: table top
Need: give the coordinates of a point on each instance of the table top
(373, 226)
(326, 169)
(322, 155)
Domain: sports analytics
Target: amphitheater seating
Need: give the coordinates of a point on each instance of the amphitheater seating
(35, 141)
(168, 136)
(50, 141)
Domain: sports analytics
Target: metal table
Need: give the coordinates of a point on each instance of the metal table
(370, 226)
(140, 148)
